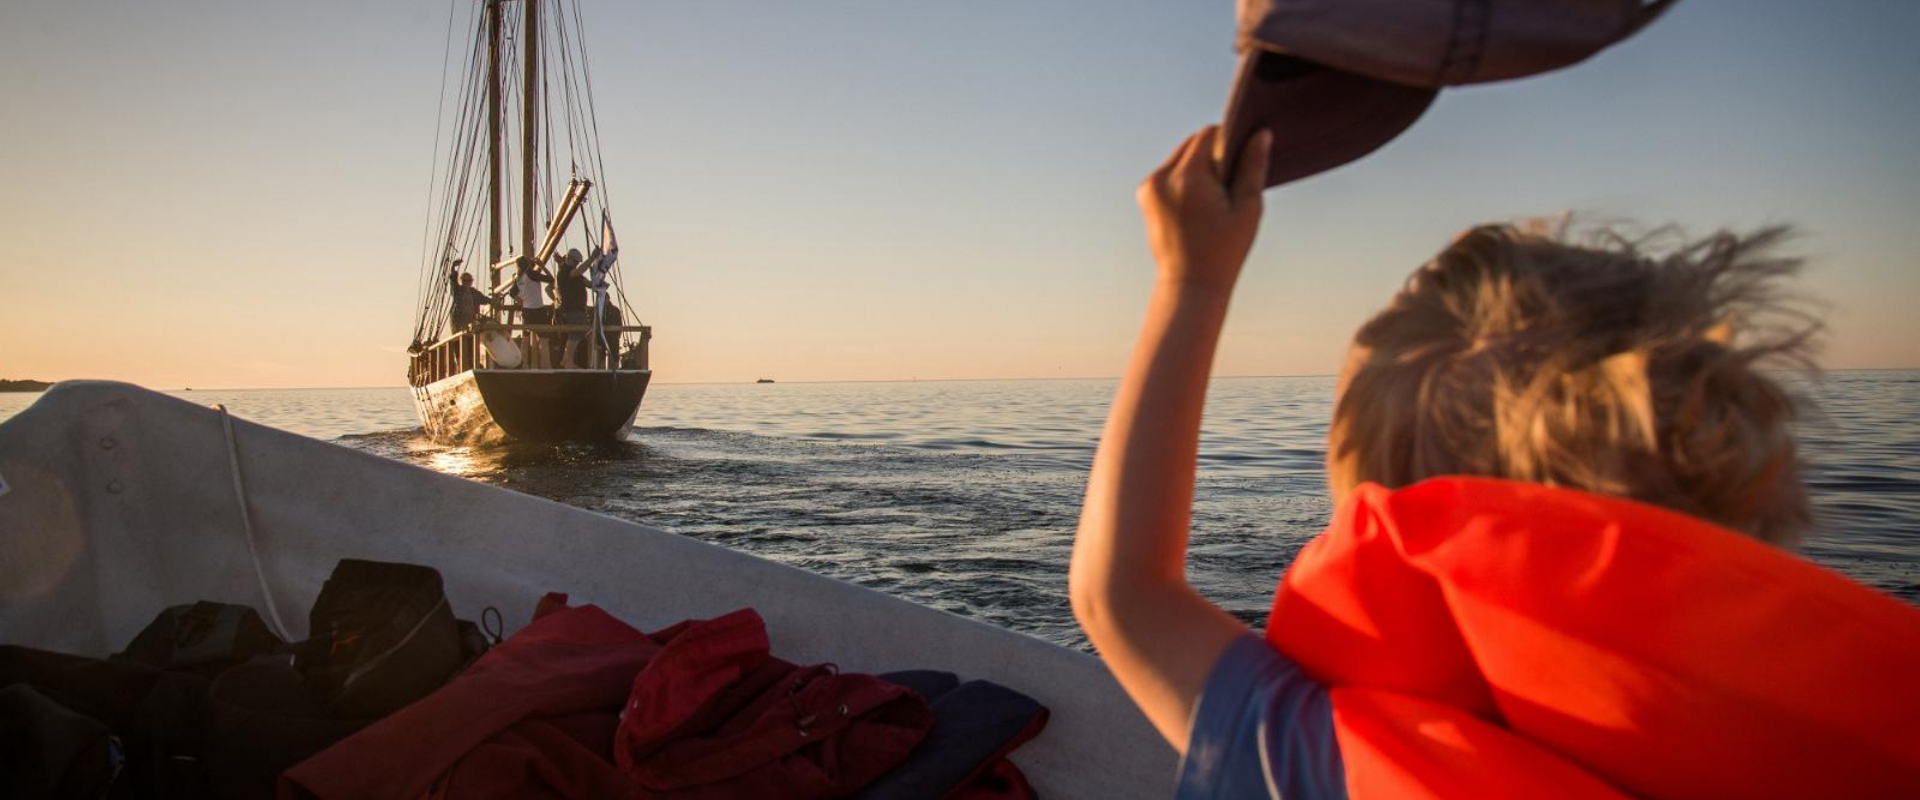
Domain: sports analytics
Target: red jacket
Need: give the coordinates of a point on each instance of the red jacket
(714, 716)
(701, 711)
(531, 718)
(1485, 638)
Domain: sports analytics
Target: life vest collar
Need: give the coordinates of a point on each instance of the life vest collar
(1594, 646)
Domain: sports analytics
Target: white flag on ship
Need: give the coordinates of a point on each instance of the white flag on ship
(608, 244)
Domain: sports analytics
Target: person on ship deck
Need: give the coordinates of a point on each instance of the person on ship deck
(571, 280)
(464, 309)
(467, 300)
(530, 291)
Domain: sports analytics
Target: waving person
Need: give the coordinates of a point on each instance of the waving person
(1566, 493)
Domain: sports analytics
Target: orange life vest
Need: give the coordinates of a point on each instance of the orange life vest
(1485, 638)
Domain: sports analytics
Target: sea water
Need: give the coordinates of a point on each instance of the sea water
(963, 495)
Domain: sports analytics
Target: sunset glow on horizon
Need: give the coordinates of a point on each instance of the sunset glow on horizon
(217, 193)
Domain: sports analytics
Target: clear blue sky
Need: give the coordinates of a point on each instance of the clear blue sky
(232, 193)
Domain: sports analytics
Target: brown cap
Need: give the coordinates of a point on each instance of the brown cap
(1336, 79)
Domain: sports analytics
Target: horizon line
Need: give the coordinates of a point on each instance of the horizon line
(802, 382)
(669, 383)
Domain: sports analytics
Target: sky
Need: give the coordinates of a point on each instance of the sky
(231, 193)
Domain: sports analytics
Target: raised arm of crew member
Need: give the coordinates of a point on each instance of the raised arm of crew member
(1128, 582)
(523, 272)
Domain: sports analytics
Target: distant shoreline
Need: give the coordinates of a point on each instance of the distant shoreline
(23, 386)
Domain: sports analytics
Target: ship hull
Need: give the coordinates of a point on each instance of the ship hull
(492, 405)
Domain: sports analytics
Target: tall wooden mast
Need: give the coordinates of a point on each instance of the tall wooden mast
(529, 121)
(493, 140)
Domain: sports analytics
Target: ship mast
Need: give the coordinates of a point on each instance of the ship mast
(482, 118)
(529, 122)
(529, 131)
(493, 142)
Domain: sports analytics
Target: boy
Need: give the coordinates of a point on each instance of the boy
(1562, 489)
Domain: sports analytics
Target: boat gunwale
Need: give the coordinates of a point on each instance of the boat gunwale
(169, 534)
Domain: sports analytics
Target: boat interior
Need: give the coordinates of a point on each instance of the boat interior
(120, 501)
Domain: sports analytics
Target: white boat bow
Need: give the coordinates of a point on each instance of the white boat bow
(121, 501)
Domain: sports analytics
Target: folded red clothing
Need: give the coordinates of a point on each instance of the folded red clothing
(580, 705)
(714, 715)
(570, 662)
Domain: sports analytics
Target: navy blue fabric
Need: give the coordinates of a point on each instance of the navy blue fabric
(973, 723)
(928, 683)
(1262, 728)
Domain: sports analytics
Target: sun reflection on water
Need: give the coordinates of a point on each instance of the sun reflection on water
(464, 462)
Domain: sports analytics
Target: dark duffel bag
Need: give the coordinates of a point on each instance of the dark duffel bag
(47, 751)
(382, 636)
(156, 716)
(203, 638)
(262, 718)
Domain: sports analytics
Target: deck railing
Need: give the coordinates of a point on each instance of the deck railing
(624, 347)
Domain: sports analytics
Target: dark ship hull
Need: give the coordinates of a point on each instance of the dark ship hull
(491, 405)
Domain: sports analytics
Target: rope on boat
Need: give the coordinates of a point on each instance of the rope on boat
(246, 523)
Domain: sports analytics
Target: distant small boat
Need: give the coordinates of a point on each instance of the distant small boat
(764, 380)
(179, 503)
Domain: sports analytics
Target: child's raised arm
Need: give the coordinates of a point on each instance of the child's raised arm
(1128, 580)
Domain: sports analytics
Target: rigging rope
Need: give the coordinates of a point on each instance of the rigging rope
(423, 291)
(462, 198)
(593, 149)
(460, 153)
(439, 122)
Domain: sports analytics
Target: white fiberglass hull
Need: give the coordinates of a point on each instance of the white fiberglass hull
(121, 501)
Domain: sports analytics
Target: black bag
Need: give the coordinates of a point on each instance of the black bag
(263, 717)
(383, 636)
(157, 716)
(48, 751)
(204, 639)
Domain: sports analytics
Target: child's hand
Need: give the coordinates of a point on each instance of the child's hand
(1200, 229)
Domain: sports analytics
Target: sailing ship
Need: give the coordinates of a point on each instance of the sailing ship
(512, 374)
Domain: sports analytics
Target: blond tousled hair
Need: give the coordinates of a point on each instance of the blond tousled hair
(1609, 364)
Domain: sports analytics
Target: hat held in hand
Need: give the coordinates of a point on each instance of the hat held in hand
(1336, 79)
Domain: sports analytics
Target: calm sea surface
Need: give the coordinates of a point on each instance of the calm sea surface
(964, 495)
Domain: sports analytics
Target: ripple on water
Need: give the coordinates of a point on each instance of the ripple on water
(964, 496)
